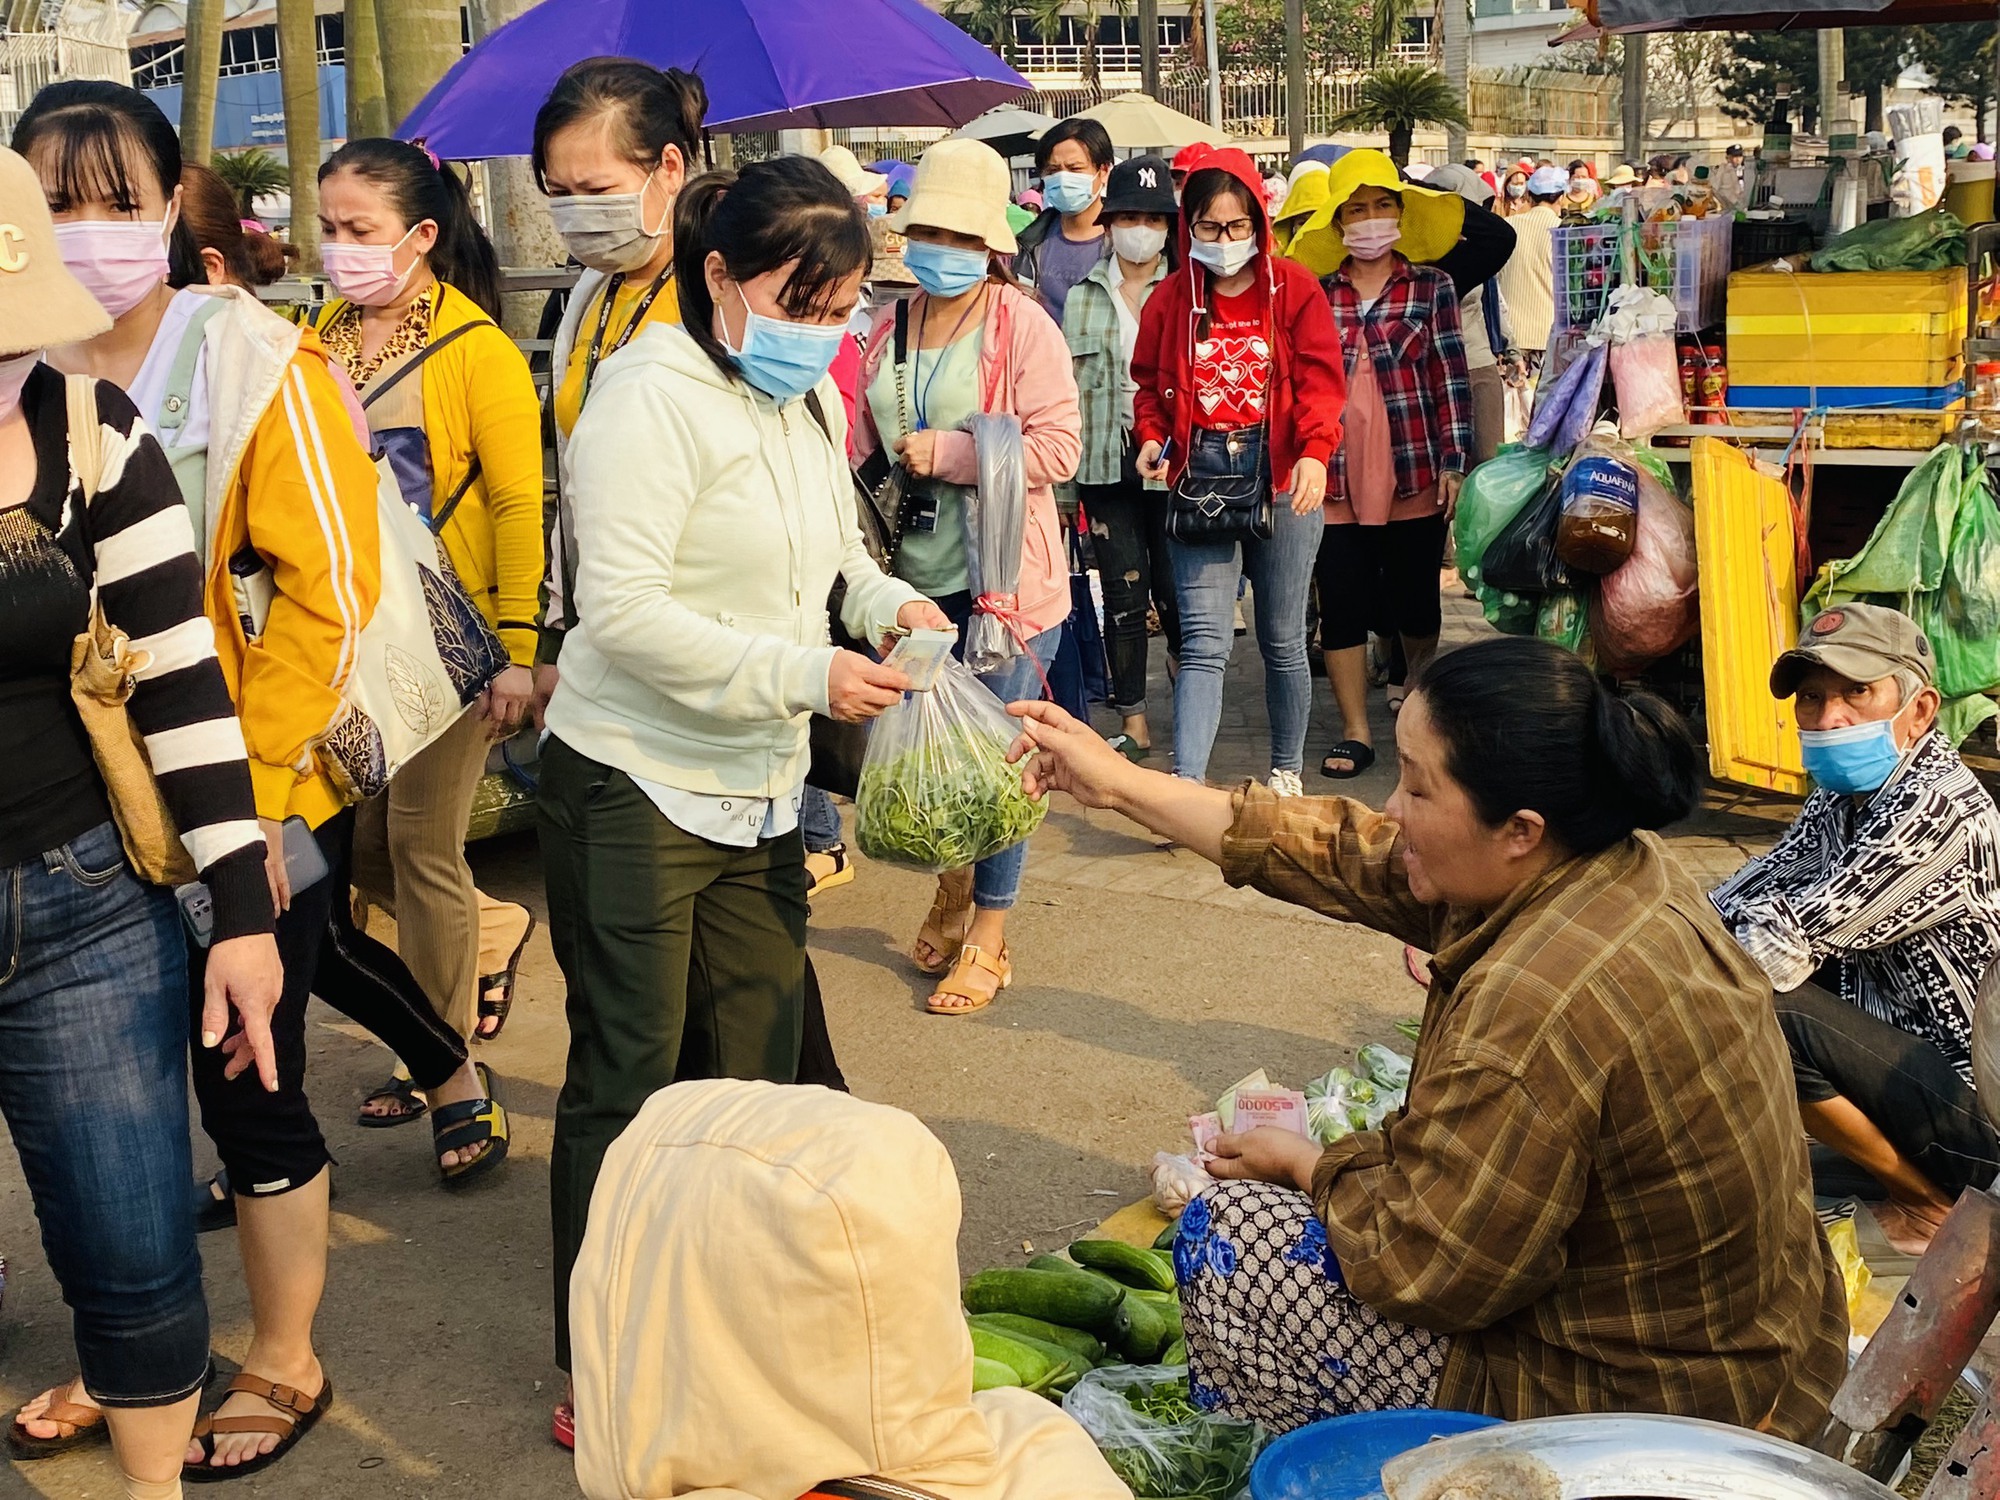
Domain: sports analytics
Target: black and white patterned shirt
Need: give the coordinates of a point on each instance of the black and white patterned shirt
(1901, 891)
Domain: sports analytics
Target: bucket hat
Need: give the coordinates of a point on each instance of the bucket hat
(42, 306)
(857, 179)
(961, 186)
(1140, 185)
(1622, 176)
(1432, 221)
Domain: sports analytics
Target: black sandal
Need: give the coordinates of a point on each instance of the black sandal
(293, 1419)
(467, 1123)
(1360, 757)
(404, 1092)
(501, 986)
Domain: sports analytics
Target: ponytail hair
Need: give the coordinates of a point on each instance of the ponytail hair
(768, 215)
(212, 212)
(647, 109)
(419, 188)
(1527, 727)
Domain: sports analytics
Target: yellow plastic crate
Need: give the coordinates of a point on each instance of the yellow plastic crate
(1920, 430)
(1749, 615)
(1927, 373)
(1847, 328)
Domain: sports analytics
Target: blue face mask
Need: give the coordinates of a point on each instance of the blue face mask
(1856, 758)
(944, 270)
(878, 210)
(1069, 192)
(784, 359)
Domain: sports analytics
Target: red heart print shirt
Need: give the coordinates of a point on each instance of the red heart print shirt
(1232, 366)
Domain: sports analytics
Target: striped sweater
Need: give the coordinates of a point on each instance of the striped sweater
(134, 542)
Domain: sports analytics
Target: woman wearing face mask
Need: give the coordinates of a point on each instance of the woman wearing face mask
(281, 491)
(712, 510)
(1239, 378)
(972, 342)
(1128, 522)
(94, 1005)
(448, 397)
(1514, 197)
(1395, 479)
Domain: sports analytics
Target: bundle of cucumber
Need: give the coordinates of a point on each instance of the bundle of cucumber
(1047, 1325)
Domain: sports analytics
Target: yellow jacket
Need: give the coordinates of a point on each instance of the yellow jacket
(479, 400)
(288, 480)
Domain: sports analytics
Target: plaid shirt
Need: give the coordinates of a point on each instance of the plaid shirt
(1599, 1186)
(1417, 344)
(1901, 890)
(1090, 325)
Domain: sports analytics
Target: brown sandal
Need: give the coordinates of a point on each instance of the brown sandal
(971, 957)
(85, 1423)
(950, 920)
(294, 1418)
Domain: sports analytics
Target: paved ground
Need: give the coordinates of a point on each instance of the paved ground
(1144, 987)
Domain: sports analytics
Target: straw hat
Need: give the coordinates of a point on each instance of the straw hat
(1622, 176)
(42, 306)
(1432, 221)
(846, 166)
(961, 186)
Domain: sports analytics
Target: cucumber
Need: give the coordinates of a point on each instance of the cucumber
(1168, 1236)
(1075, 1340)
(1147, 1334)
(1167, 1306)
(1053, 1263)
(991, 1375)
(1070, 1367)
(1176, 1353)
(1066, 1297)
(1147, 1269)
(1036, 1370)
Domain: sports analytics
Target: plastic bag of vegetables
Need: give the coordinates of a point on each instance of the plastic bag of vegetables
(936, 791)
(1157, 1440)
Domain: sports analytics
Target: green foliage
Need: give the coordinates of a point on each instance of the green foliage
(251, 175)
(1960, 59)
(1400, 98)
(992, 21)
(1250, 35)
(1748, 80)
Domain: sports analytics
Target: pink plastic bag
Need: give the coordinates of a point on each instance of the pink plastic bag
(1647, 608)
(1647, 379)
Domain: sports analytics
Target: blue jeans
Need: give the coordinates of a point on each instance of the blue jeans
(996, 882)
(1205, 575)
(819, 821)
(93, 1083)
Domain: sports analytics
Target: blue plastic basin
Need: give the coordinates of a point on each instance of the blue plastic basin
(1342, 1457)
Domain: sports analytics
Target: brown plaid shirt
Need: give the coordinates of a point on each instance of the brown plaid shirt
(1599, 1185)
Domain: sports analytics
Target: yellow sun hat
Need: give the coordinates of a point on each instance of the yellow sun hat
(1307, 197)
(1432, 221)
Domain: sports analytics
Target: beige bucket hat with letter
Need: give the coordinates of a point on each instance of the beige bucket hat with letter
(42, 306)
(961, 186)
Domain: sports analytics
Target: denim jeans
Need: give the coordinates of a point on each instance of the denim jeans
(93, 1083)
(996, 882)
(1205, 575)
(819, 821)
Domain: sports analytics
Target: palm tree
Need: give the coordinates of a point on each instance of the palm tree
(298, 81)
(200, 69)
(1385, 26)
(251, 175)
(367, 105)
(420, 40)
(1399, 98)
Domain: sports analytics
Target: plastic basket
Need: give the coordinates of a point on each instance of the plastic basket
(1756, 241)
(1341, 1458)
(1688, 259)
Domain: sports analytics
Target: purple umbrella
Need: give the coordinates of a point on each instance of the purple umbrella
(767, 64)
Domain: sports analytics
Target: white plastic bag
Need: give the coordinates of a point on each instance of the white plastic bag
(1149, 1431)
(996, 518)
(1647, 378)
(1176, 1180)
(936, 791)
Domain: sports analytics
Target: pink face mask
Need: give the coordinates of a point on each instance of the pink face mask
(14, 375)
(1371, 239)
(366, 274)
(119, 261)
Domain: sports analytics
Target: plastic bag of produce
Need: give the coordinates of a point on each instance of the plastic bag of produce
(1385, 1065)
(1565, 410)
(1963, 617)
(1648, 607)
(1344, 1101)
(1155, 1438)
(1494, 493)
(936, 791)
(1522, 559)
(1600, 506)
(1647, 380)
(996, 515)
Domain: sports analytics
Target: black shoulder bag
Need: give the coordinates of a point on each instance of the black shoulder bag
(1223, 493)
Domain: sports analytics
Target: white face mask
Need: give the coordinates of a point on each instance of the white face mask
(1138, 243)
(608, 231)
(1224, 257)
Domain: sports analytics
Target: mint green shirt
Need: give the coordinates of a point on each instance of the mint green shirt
(943, 387)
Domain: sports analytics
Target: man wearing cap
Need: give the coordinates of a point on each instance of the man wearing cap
(1527, 282)
(1876, 916)
(1733, 157)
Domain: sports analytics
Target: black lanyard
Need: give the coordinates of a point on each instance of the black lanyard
(596, 352)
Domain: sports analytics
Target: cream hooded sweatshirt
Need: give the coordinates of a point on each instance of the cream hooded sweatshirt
(767, 1298)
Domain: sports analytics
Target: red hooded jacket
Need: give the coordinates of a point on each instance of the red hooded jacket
(1308, 380)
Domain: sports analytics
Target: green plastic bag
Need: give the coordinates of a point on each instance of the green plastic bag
(1929, 241)
(1648, 458)
(1565, 619)
(1905, 554)
(1494, 494)
(1962, 617)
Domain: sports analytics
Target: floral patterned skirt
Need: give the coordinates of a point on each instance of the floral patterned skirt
(1272, 1333)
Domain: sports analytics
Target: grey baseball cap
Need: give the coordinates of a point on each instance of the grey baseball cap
(1862, 642)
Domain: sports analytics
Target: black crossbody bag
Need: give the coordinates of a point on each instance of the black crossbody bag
(1224, 497)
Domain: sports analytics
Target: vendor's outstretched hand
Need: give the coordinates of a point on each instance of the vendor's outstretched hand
(1069, 756)
(1266, 1154)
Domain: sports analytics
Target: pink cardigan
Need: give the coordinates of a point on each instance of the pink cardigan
(1024, 370)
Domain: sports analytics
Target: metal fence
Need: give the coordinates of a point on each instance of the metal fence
(1544, 102)
(31, 60)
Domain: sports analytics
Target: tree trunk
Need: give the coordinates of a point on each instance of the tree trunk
(1457, 28)
(367, 106)
(420, 40)
(1295, 75)
(1635, 98)
(1400, 137)
(1874, 121)
(298, 69)
(1149, 49)
(517, 213)
(201, 65)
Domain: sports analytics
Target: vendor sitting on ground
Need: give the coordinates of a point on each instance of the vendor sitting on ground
(1597, 1197)
(1876, 916)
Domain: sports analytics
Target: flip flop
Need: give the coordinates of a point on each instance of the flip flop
(501, 985)
(86, 1427)
(404, 1092)
(1362, 757)
(1883, 1258)
(1130, 748)
(293, 1419)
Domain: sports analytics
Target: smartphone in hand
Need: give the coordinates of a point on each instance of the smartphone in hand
(305, 865)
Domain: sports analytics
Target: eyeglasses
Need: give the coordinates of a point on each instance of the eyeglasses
(1208, 231)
